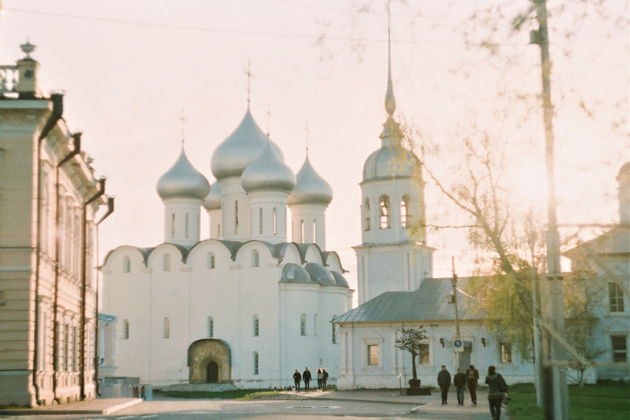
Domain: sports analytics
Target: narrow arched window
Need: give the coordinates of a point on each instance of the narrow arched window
(219, 230)
(303, 325)
(260, 220)
(186, 222)
(126, 329)
(301, 230)
(333, 330)
(405, 216)
(210, 327)
(255, 363)
(275, 221)
(255, 326)
(167, 328)
(126, 264)
(172, 225)
(386, 217)
(211, 260)
(235, 217)
(314, 230)
(255, 258)
(166, 262)
(368, 220)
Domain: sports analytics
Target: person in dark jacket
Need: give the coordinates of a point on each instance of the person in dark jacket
(496, 391)
(444, 381)
(324, 379)
(459, 380)
(297, 378)
(472, 376)
(306, 376)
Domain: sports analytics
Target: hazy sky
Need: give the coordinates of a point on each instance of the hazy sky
(130, 67)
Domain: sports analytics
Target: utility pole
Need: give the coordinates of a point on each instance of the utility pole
(556, 404)
(535, 314)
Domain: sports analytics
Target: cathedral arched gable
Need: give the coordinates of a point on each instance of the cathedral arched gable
(243, 254)
(333, 262)
(177, 253)
(114, 258)
(290, 253)
(198, 253)
(314, 254)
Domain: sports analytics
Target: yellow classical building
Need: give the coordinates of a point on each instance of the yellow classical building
(49, 214)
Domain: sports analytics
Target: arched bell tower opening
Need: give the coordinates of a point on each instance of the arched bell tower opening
(209, 361)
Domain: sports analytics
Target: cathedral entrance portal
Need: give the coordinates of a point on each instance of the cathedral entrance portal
(209, 361)
(212, 373)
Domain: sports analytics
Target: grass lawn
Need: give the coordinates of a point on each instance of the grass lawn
(235, 394)
(590, 402)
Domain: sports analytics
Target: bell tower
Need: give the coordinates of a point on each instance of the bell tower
(393, 255)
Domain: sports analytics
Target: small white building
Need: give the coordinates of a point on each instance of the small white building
(243, 306)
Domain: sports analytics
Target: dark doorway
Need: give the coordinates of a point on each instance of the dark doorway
(212, 373)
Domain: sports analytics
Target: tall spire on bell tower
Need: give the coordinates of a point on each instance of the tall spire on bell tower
(390, 100)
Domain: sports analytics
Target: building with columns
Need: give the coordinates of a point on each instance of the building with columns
(242, 304)
(49, 199)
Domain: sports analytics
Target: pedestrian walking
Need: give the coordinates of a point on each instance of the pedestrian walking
(444, 381)
(472, 378)
(320, 378)
(297, 378)
(306, 377)
(460, 382)
(497, 389)
(324, 379)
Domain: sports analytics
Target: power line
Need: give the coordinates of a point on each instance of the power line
(320, 37)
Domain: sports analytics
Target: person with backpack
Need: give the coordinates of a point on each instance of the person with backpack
(497, 389)
(472, 378)
(324, 379)
(459, 380)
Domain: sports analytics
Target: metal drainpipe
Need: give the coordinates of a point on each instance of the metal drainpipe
(110, 210)
(100, 192)
(55, 115)
(77, 148)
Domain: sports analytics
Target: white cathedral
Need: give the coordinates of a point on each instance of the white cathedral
(247, 307)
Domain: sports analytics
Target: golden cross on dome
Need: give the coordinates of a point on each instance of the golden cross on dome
(183, 121)
(250, 75)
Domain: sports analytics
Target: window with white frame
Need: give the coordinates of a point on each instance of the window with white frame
(405, 217)
(255, 258)
(255, 326)
(126, 264)
(126, 329)
(255, 363)
(615, 297)
(424, 357)
(167, 328)
(373, 354)
(505, 352)
(303, 325)
(619, 344)
(211, 260)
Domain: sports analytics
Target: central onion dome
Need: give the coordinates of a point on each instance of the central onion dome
(213, 200)
(268, 173)
(310, 188)
(391, 162)
(182, 180)
(240, 149)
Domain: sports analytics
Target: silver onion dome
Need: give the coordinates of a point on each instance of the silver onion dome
(182, 180)
(391, 162)
(213, 199)
(240, 149)
(268, 172)
(310, 188)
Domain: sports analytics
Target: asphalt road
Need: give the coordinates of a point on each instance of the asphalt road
(279, 409)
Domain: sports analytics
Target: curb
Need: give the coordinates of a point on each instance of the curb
(414, 403)
(69, 411)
